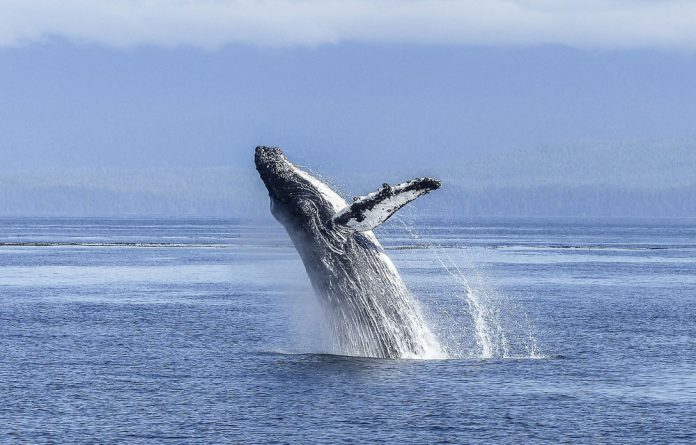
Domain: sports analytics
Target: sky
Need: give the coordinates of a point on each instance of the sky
(214, 23)
(489, 95)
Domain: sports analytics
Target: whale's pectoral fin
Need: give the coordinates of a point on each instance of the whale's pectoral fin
(367, 212)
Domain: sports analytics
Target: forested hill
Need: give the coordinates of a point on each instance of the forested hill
(633, 179)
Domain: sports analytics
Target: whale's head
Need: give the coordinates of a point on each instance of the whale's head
(298, 199)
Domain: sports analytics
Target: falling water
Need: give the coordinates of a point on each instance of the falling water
(501, 328)
(383, 319)
(496, 327)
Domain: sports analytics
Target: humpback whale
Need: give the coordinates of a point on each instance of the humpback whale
(370, 310)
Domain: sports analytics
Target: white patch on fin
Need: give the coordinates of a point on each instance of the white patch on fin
(367, 212)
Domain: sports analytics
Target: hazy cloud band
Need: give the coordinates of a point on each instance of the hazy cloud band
(214, 23)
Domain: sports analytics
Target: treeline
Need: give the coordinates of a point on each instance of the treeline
(178, 192)
(225, 193)
(588, 201)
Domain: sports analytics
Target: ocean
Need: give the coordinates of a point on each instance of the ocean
(207, 331)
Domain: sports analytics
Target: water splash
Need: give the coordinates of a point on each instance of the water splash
(471, 320)
(502, 328)
(496, 327)
(490, 338)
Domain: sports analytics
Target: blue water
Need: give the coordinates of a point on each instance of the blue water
(206, 331)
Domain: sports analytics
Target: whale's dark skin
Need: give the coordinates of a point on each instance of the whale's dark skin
(370, 308)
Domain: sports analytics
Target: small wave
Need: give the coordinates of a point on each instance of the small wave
(330, 356)
(409, 247)
(323, 355)
(111, 244)
(424, 247)
(585, 247)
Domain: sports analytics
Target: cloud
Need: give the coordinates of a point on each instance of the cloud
(214, 23)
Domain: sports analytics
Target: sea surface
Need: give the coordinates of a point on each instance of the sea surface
(207, 331)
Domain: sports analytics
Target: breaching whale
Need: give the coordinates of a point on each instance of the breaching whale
(370, 310)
